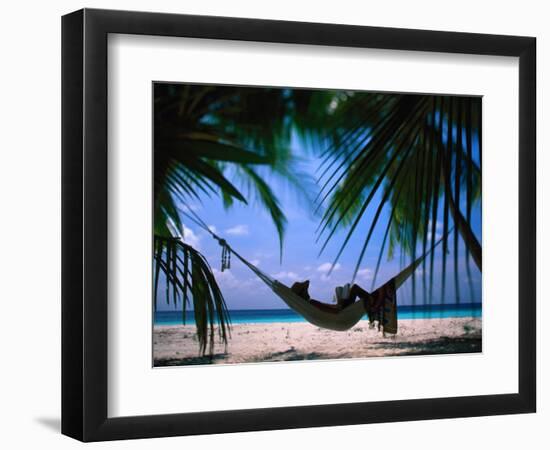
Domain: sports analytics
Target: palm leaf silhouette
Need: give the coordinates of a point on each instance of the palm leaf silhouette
(416, 153)
(213, 141)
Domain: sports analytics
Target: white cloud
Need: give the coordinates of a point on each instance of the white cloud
(264, 255)
(365, 274)
(227, 280)
(238, 230)
(286, 276)
(189, 237)
(326, 267)
(212, 228)
(255, 262)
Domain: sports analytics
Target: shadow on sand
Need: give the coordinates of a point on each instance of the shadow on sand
(440, 346)
(288, 355)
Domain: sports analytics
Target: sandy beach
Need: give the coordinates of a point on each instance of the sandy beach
(250, 343)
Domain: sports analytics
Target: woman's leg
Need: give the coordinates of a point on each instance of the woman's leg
(355, 292)
(372, 301)
(358, 291)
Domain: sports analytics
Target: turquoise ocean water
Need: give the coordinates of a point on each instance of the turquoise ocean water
(287, 315)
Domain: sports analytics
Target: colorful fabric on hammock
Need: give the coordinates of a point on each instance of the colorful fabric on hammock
(382, 307)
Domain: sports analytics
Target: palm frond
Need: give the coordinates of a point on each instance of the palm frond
(400, 135)
(188, 276)
(439, 176)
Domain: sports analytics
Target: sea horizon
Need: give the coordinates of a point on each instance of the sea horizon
(282, 315)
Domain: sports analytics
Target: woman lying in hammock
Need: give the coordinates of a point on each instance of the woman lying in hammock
(343, 298)
(380, 305)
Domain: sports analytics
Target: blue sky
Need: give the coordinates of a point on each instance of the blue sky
(249, 229)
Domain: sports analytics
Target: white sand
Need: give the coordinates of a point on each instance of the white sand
(177, 345)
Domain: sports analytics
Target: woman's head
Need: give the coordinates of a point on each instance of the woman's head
(301, 288)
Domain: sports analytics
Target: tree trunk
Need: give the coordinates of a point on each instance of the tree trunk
(460, 222)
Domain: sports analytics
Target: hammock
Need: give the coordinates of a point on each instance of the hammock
(338, 320)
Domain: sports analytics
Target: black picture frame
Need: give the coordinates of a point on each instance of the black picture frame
(84, 224)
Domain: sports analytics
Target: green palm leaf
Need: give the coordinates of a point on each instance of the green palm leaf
(437, 134)
(188, 275)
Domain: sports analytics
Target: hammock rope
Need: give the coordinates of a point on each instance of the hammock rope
(338, 320)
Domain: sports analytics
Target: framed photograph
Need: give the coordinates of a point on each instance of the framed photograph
(273, 225)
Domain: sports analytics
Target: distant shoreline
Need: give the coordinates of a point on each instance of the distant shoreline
(283, 341)
(252, 316)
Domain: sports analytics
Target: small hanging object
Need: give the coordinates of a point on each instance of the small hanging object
(226, 255)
